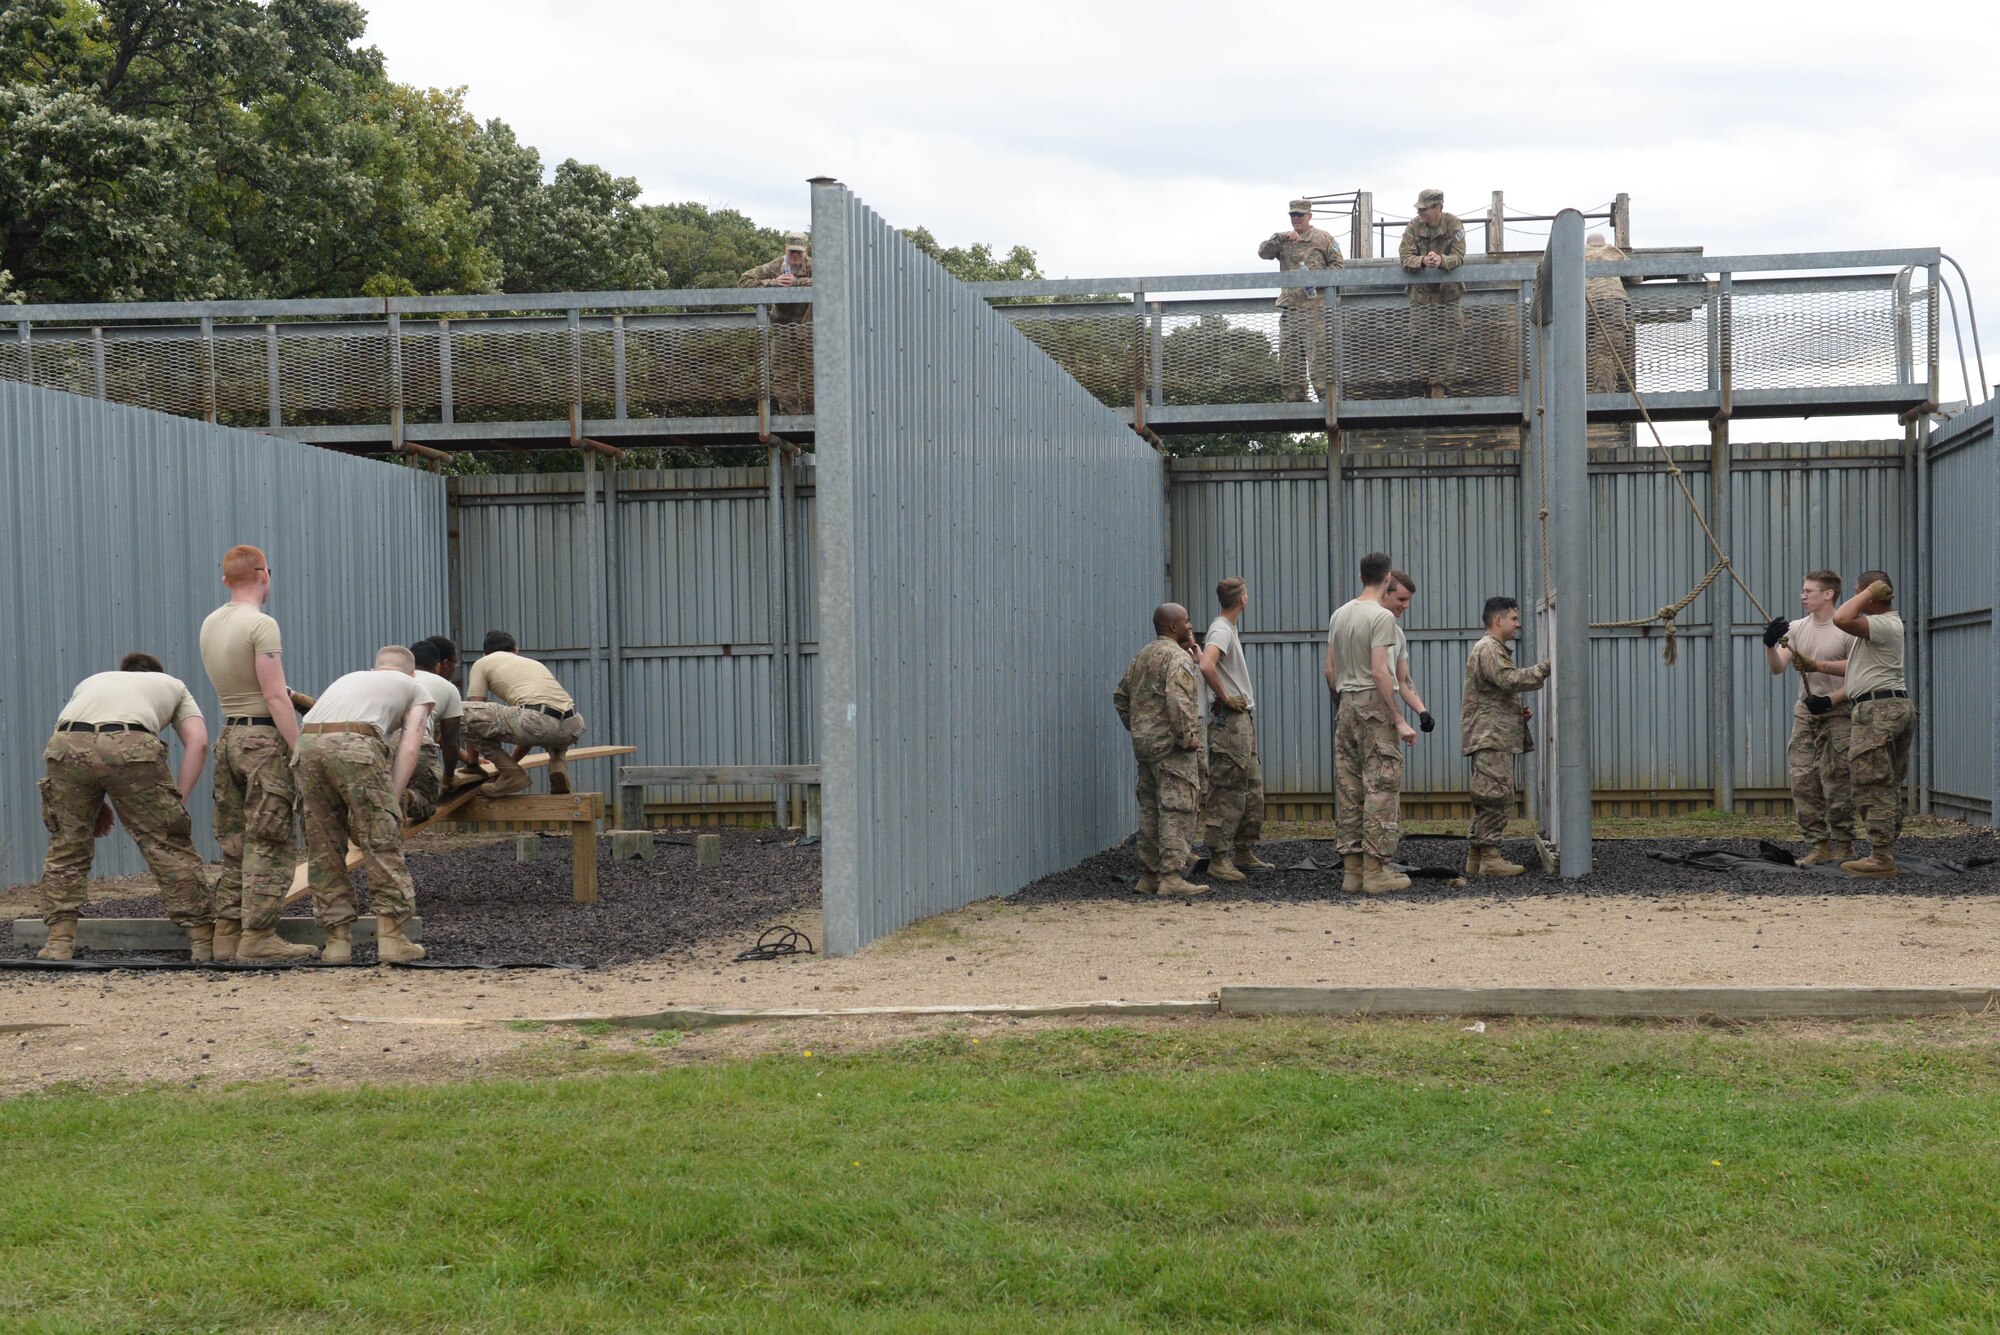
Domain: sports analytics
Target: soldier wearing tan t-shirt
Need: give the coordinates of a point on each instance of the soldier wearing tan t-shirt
(512, 700)
(1816, 756)
(1883, 721)
(254, 801)
(1369, 735)
(106, 757)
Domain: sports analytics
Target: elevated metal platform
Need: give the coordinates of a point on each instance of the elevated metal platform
(1786, 335)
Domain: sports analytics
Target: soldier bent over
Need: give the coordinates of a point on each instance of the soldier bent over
(352, 792)
(437, 660)
(1301, 310)
(1156, 703)
(1369, 735)
(1882, 720)
(107, 746)
(1816, 757)
(1434, 243)
(512, 699)
(1492, 730)
(1235, 805)
(252, 789)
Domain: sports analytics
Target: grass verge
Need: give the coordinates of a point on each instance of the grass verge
(1217, 1175)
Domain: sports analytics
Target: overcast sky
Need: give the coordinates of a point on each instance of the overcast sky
(1122, 138)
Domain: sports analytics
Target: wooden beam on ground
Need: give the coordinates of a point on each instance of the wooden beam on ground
(1615, 1003)
(160, 934)
(581, 812)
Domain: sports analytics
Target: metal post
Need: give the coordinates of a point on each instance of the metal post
(1721, 624)
(594, 584)
(98, 384)
(576, 376)
(22, 330)
(1923, 682)
(1361, 237)
(777, 586)
(1337, 557)
(208, 394)
(444, 372)
(1528, 565)
(1621, 221)
(614, 613)
(274, 399)
(798, 725)
(1496, 224)
(618, 367)
(763, 369)
(1330, 343)
(1560, 285)
(1157, 346)
(395, 337)
(1140, 359)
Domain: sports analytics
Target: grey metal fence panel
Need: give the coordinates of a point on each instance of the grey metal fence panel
(991, 543)
(1962, 571)
(112, 529)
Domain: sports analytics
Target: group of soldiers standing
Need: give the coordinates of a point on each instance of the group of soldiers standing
(1848, 758)
(376, 748)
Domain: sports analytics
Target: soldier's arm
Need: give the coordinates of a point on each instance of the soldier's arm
(1334, 259)
(1777, 658)
(277, 698)
(1211, 663)
(1182, 707)
(194, 754)
(1512, 679)
(1271, 247)
(762, 275)
(406, 751)
(1850, 618)
(1406, 686)
(1121, 699)
(1453, 253)
(1331, 669)
(448, 741)
(1407, 251)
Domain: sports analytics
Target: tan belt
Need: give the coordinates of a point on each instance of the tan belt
(365, 729)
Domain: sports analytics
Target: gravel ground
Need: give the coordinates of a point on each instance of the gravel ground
(1622, 867)
(480, 906)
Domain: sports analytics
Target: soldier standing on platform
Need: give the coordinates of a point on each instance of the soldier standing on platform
(1156, 701)
(1608, 323)
(1235, 806)
(1816, 758)
(107, 757)
(791, 333)
(1434, 243)
(1492, 730)
(1301, 310)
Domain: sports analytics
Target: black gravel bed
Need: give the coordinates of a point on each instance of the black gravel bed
(1620, 867)
(480, 906)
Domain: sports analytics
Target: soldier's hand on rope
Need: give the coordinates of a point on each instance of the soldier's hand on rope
(1777, 630)
(1425, 722)
(1804, 662)
(1818, 704)
(1880, 591)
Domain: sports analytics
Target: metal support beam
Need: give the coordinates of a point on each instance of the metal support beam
(1566, 610)
(395, 336)
(98, 386)
(614, 612)
(777, 592)
(618, 396)
(274, 405)
(208, 388)
(1496, 223)
(1529, 591)
(1361, 237)
(444, 372)
(1621, 221)
(1721, 622)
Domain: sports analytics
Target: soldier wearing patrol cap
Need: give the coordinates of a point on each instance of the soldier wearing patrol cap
(1301, 310)
(1434, 245)
(106, 757)
(791, 339)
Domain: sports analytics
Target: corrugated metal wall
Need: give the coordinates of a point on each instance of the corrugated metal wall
(112, 528)
(1963, 560)
(991, 547)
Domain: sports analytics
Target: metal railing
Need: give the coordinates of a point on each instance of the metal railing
(1769, 335)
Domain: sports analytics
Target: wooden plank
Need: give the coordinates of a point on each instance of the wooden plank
(160, 934)
(554, 807)
(1614, 1003)
(692, 775)
(713, 1017)
(583, 860)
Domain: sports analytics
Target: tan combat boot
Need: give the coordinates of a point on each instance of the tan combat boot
(390, 943)
(1173, 883)
(339, 947)
(1843, 849)
(1821, 852)
(510, 780)
(267, 947)
(1879, 865)
(1492, 863)
(1149, 884)
(558, 773)
(1379, 878)
(1350, 873)
(1246, 858)
(61, 943)
(1222, 869)
(201, 943)
(228, 931)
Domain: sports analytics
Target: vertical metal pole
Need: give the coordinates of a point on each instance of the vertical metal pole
(777, 590)
(1528, 554)
(1721, 624)
(23, 331)
(1140, 357)
(444, 372)
(1337, 563)
(274, 399)
(1923, 684)
(576, 376)
(1157, 345)
(208, 394)
(1330, 343)
(1621, 221)
(1570, 535)
(618, 367)
(594, 587)
(1361, 238)
(798, 724)
(395, 336)
(763, 369)
(1496, 223)
(614, 618)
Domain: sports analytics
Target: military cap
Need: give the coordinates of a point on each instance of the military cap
(1299, 206)
(795, 241)
(1430, 199)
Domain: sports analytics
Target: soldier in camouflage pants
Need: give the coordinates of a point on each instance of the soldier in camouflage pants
(1434, 243)
(1817, 764)
(347, 796)
(129, 768)
(254, 810)
(1368, 776)
(1493, 729)
(1156, 701)
(1879, 734)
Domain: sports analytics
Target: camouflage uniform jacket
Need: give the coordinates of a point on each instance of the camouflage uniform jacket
(1318, 251)
(1447, 238)
(766, 275)
(1490, 715)
(1158, 701)
(1603, 287)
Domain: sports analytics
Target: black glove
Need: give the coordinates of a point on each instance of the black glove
(1776, 631)
(1425, 722)
(1818, 704)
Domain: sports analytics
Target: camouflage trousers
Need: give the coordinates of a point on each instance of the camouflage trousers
(420, 801)
(1169, 796)
(1816, 760)
(1302, 348)
(1367, 777)
(1234, 809)
(1436, 329)
(346, 796)
(1492, 796)
(130, 769)
(254, 806)
(489, 724)
(1878, 763)
(1608, 343)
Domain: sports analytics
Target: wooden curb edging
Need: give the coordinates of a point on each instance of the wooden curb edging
(1616, 1003)
(160, 934)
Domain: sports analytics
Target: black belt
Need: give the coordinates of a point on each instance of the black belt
(102, 727)
(1877, 695)
(551, 712)
(246, 721)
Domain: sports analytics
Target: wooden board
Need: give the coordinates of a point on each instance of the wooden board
(160, 934)
(1614, 1003)
(640, 776)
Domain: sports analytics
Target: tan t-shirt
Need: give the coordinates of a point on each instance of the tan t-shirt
(1230, 666)
(1876, 663)
(1354, 633)
(1826, 642)
(231, 638)
(379, 696)
(153, 700)
(446, 702)
(514, 680)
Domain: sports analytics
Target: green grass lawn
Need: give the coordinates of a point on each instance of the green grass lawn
(1215, 1176)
